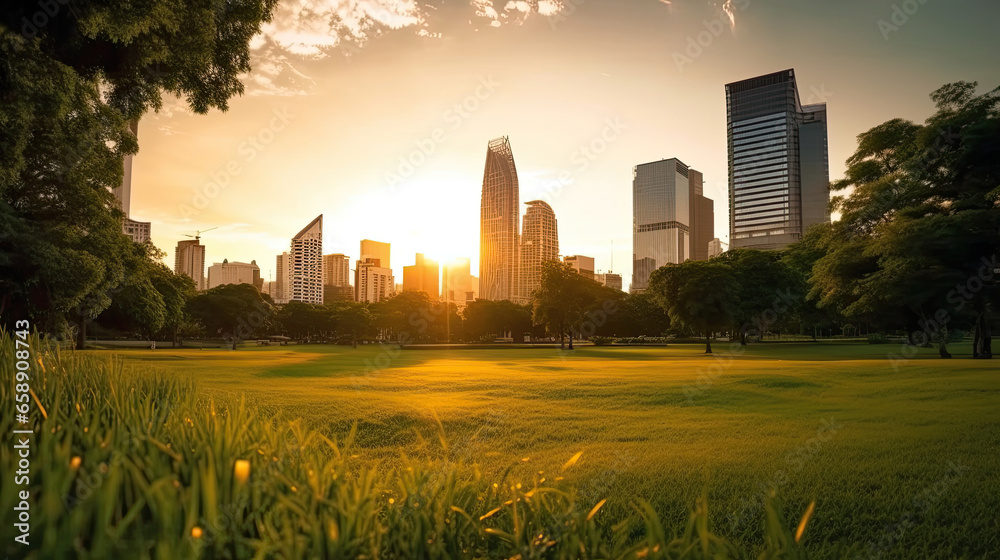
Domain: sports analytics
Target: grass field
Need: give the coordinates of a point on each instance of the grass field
(900, 455)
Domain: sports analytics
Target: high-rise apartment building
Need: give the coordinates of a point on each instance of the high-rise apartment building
(337, 268)
(279, 288)
(539, 244)
(373, 282)
(422, 277)
(305, 264)
(189, 259)
(499, 247)
(778, 162)
(373, 279)
(337, 278)
(582, 265)
(661, 210)
(226, 272)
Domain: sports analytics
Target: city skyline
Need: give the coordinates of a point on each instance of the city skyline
(667, 106)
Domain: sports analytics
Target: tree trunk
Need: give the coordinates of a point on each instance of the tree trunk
(570, 340)
(982, 344)
(562, 340)
(743, 337)
(81, 332)
(943, 343)
(708, 343)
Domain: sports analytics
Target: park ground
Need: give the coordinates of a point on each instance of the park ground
(900, 454)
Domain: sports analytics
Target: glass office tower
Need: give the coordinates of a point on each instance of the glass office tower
(661, 229)
(778, 167)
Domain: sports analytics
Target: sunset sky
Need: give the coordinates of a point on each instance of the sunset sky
(343, 89)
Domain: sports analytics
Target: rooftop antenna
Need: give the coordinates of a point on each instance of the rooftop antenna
(197, 233)
(612, 269)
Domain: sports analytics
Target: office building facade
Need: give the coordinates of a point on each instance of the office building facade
(661, 210)
(778, 162)
(702, 219)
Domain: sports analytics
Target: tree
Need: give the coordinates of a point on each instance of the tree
(563, 299)
(71, 79)
(353, 320)
(764, 284)
(698, 295)
(921, 228)
(492, 319)
(232, 311)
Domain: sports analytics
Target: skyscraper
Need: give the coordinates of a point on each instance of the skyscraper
(373, 279)
(422, 277)
(372, 282)
(539, 243)
(305, 264)
(702, 221)
(337, 268)
(499, 245)
(661, 210)
(140, 232)
(778, 166)
(189, 259)
(337, 278)
(279, 290)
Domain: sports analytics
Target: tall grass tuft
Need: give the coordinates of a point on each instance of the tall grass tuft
(134, 464)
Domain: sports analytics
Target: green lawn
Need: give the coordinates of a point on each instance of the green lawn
(901, 456)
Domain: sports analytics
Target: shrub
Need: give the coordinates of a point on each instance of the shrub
(602, 340)
(877, 338)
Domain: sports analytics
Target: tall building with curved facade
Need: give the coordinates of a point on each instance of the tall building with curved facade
(539, 243)
(499, 239)
(778, 167)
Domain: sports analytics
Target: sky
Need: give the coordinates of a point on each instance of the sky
(377, 113)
